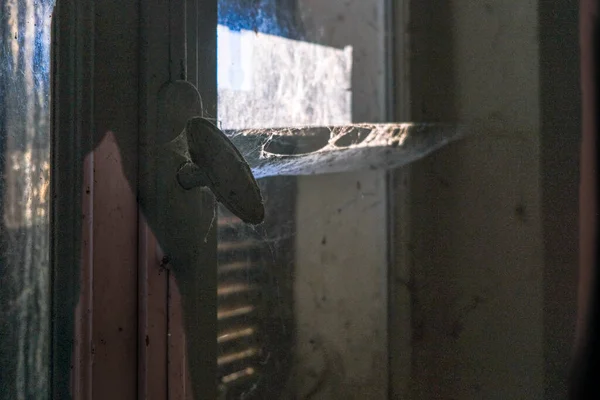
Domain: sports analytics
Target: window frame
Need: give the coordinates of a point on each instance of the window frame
(70, 73)
(74, 72)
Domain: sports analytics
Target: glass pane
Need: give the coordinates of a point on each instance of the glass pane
(302, 297)
(24, 226)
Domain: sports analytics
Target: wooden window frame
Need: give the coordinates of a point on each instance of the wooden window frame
(81, 33)
(85, 89)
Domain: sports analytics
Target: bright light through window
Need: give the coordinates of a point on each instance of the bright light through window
(267, 81)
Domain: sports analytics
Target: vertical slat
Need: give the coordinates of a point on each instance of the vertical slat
(115, 331)
(155, 71)
(82, 356)
(588, 190)
(177, 362)
(72, 137)
(177, 372)
(171, 212)
(114, 341)
(207, 55)
(198, 285)
(398, 206)
(152, 338)
(177, 40)
(192, 39)
(583, 383)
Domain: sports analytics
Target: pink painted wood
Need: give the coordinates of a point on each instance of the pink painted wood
(129, 338)
(114, 333)
(153, 319)
(106, 329)
(177, 371)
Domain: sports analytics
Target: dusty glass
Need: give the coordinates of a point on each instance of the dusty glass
(24, 195)
(302, 297)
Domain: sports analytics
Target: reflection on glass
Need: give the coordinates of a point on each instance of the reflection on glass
(24, 194)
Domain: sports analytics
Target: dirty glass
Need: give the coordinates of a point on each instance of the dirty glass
(303, 297)
(24, 194)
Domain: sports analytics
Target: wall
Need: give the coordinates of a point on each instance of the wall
(493, 248)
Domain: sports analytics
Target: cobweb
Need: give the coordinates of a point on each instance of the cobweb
(346, 148)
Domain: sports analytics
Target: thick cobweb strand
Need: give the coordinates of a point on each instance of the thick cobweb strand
(319, 150)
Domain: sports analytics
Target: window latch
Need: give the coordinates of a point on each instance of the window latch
(211, 159)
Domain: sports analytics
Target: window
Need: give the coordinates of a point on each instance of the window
(326, 303)
(150, 293)
(293, 77)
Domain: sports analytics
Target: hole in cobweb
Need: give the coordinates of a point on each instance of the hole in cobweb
(354, 136)
(301, 142)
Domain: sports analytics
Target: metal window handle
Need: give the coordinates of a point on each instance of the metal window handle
(212, 160)
(217, 164)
